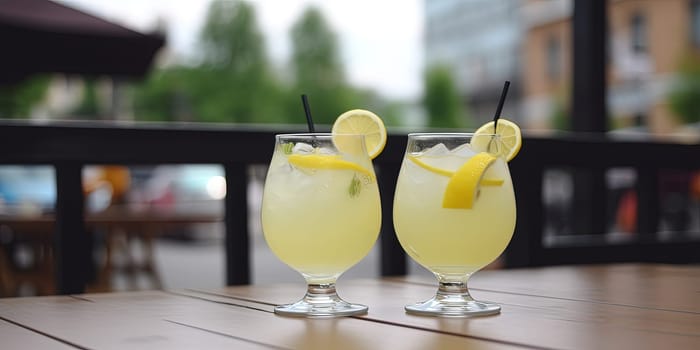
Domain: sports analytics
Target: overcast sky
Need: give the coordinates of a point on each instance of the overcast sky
(380, 41)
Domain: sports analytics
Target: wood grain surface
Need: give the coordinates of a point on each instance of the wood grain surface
(593, 307)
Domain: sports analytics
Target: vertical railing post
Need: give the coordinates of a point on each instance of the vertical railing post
(236, 221)
(589, 23)
(72, 246)
(527, 241)
(589, 109)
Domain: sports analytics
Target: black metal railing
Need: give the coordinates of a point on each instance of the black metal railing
(70, 146)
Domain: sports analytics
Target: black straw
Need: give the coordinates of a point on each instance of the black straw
(500, 105)
(307, 110)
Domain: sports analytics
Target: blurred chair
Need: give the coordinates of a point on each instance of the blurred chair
(26, 260)
(7, 283)
(118, 239)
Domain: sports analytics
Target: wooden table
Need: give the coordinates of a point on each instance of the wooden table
(596, 307)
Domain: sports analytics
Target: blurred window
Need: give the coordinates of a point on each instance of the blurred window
(553, 58)
(638, 31)
(695, 22)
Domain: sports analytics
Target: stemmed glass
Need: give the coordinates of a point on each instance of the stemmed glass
(454, 212)
(320, 214)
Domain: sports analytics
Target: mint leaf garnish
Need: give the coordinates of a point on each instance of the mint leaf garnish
(355, 187)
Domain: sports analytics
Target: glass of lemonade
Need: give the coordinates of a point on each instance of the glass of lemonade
(320, 214)
(454, 213)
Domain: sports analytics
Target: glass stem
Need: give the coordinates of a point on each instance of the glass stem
(321, 293)
(449, 289)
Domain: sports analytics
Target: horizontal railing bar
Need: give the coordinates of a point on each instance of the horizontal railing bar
(682, 252)
(90, 144)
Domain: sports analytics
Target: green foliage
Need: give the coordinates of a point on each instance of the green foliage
(234, 81)
(17, 101)
(318, 71)
(560, 119)
(315, 55)
(165, 96)
(231, 40)
(442, 100)
(559, 116)
(89, 106)
(232, 84)
(684, 98)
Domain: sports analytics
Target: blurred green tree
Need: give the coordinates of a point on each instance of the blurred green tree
(232, 84)
(236, 83)
(684, 97)
(318, 71)
(442, 100)
(165, 96)
(17, 101)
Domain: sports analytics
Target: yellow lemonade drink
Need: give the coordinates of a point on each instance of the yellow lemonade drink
(321, 210)
(452, 241)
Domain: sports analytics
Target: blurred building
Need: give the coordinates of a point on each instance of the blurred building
(530, 43)
(546, 53)
(647, 42)
(480, 40)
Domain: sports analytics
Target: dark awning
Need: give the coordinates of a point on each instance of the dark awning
(41, 36)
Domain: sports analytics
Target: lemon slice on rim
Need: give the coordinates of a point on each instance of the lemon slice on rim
(326, 161)
(506, 145)
(360, 121)
(461, 190)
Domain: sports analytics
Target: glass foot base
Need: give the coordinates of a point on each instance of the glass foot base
(304, 309)
(461, 308)
(321, 300)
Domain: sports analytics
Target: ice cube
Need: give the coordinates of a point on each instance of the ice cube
(302, 148)
(326, 150)
(464, 151)
(438, 150)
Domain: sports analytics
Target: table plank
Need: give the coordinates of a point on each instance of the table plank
(338, 333)
(667, 287)
(16, 337)
(120, 321)
(168, 320)
(525, 319)
(599, 307)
